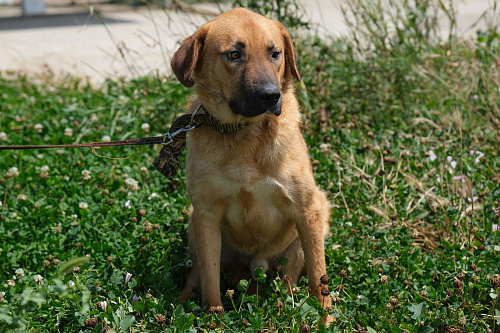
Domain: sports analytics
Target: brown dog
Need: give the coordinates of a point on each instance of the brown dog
(253, 192)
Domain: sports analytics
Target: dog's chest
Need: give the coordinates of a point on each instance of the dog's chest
(258, 211)
(248, 188)
(253, 197)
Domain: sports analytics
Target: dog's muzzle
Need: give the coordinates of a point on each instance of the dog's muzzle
(265, 99)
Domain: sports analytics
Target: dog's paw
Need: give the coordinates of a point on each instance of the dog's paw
(256, 263)
(327, 320)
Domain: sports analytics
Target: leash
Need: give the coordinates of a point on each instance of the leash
(131, 142)
(174, 141)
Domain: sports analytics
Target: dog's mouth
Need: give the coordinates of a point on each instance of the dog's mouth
(253, 109)
(276, 109)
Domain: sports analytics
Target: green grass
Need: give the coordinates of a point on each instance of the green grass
(413, 246)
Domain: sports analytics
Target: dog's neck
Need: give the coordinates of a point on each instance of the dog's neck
(216, 125)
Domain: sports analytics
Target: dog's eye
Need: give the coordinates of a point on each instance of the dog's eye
(234, 55)
(276, 54)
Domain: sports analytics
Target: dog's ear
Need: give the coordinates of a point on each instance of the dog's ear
(289, 52)
(187, 56)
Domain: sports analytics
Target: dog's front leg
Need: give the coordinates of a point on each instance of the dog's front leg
(207, 241)
(311, 230)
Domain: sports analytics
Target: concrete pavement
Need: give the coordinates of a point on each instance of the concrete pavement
(131, 42)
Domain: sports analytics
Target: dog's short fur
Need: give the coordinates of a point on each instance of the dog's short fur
(253, 192)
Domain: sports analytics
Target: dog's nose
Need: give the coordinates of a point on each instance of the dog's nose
(270, 94)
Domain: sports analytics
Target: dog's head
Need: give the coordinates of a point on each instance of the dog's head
(241, 62)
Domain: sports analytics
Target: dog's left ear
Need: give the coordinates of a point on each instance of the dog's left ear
(186, 57)
(289, 52)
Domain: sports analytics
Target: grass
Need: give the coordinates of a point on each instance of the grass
(403, 134)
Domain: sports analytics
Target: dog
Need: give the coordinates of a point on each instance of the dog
(253, 194)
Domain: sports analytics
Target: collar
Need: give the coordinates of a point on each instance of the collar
(203, 117)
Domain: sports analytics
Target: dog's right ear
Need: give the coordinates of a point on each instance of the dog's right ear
(187, 56)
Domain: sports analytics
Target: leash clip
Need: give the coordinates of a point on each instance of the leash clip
(168, 137)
